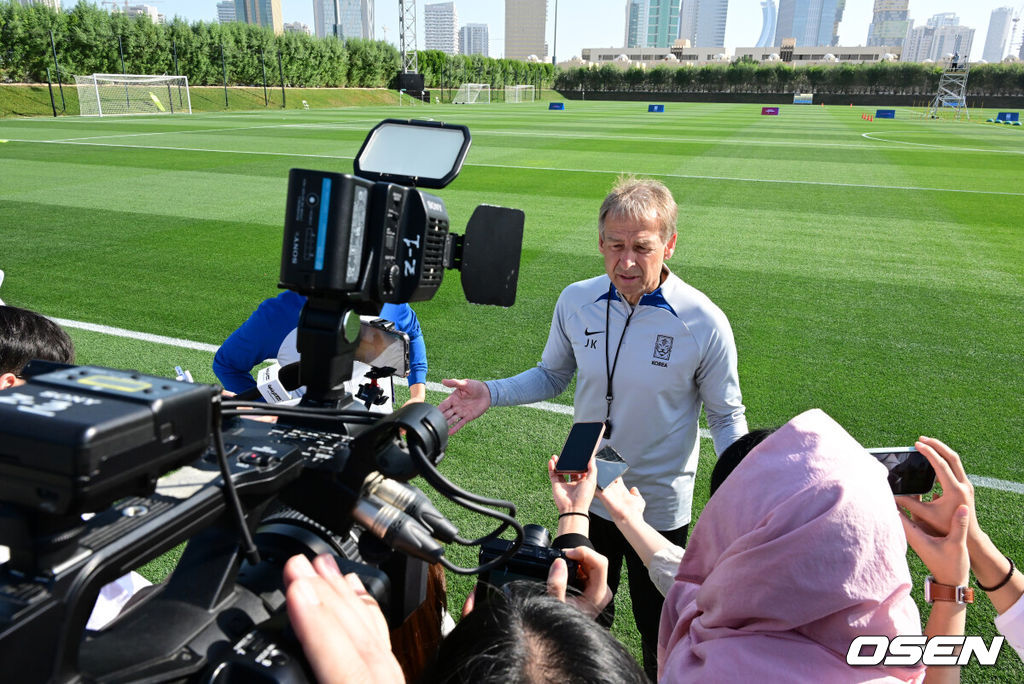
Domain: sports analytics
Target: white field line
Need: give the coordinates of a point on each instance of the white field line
(614, 172)
(950, 148)
(978, 480)
(135, 135)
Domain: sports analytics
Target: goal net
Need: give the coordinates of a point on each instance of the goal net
(472, 93)
(120, 94)
(520, 93)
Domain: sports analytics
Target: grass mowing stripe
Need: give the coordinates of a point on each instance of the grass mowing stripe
(978, 480)
(555, 169)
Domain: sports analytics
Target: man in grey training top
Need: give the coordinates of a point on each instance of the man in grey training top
(649, 351)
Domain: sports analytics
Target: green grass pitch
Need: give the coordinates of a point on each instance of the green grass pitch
(872, 269)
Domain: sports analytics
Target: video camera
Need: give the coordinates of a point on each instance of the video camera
(531, 562)
(85, 452)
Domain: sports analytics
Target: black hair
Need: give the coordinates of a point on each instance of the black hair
(736, 452)
(526, 637)
(26, 335)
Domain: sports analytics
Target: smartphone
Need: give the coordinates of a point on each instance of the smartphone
(580, 447)
(909, 471)
(610, 466)
(382, 346)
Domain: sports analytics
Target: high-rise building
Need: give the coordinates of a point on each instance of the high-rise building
(952, 40)
(636, 23)
(343, 18)
(441, 27)
(526, 24)
(260, 12)
(357, 19)
(943, 19)
(998, 34)
(688, 20)
(297, 27)
(768, 18)
(226, 12)
(710, 21)
(941, 35)
(662, 23)
(474, 40)
(52, 4)
(889, 23)
(809, 22)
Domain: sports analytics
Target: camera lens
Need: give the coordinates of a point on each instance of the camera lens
(536, 535)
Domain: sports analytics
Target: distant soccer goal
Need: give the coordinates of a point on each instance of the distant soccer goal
(520, 93)
(473, 93)
(121, 94)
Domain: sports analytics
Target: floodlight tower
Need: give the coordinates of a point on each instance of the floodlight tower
(953, 86)
(407, 36)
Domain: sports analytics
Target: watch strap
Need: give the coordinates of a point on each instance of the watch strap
(949, 592)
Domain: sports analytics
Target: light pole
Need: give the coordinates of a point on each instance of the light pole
(554, 39)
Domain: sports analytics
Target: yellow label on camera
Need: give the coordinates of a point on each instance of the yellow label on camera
(113, 382)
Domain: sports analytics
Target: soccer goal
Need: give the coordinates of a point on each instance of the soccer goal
(120, 94)
(473, 93)
(520, 93)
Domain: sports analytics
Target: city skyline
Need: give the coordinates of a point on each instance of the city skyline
(601, 23)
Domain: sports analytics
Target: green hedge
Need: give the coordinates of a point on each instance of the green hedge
(878, 78)
(86, 41)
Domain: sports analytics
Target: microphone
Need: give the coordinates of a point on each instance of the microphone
(274, 384)
(412, 502)
(397, 530)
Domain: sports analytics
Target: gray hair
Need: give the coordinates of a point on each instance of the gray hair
(640, 199)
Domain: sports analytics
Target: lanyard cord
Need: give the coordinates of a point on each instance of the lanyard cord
(609, 367)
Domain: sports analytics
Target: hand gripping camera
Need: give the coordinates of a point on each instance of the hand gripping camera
(86, 452)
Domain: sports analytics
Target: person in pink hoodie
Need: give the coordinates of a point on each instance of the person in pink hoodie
(800, 551)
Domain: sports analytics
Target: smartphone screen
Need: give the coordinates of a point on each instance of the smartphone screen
(579, 447)
(609, 466)
(909, 471)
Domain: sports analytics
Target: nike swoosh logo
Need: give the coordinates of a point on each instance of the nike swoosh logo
(588, 332)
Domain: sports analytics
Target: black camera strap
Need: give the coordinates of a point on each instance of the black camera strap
(609, 366)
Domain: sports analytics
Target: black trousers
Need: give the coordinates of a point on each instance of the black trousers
(646, 598)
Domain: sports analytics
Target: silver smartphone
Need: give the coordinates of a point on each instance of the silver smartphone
(610, 466)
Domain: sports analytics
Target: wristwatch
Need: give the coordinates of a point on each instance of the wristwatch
(933, 591)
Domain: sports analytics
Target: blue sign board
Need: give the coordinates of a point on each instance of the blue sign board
(556, 105)
(656, 108)
(1008, 116)
(885, 114)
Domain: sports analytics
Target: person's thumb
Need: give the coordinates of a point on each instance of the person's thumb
(558, 579)
(961, 521)
(448, 382)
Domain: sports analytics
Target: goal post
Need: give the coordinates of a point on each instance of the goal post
(473, 93)
(520, 93)
(123, 94)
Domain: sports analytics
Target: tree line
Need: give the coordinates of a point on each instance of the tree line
(90, 40)
(904, 78)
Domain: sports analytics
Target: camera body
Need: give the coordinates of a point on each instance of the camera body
(531, 562)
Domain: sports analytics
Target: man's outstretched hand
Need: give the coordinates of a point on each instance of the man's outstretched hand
(469, 401)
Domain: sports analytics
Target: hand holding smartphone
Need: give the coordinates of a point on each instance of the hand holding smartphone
(580, 447)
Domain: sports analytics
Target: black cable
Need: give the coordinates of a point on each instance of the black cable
(252, 554)
(469, 501)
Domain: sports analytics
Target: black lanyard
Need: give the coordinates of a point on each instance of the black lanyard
(609, 366)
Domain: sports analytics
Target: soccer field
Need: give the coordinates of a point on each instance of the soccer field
(871, 269)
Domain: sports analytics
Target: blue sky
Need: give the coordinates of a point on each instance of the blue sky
(601, 23)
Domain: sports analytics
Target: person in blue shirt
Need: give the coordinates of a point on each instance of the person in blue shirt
(269, 334)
